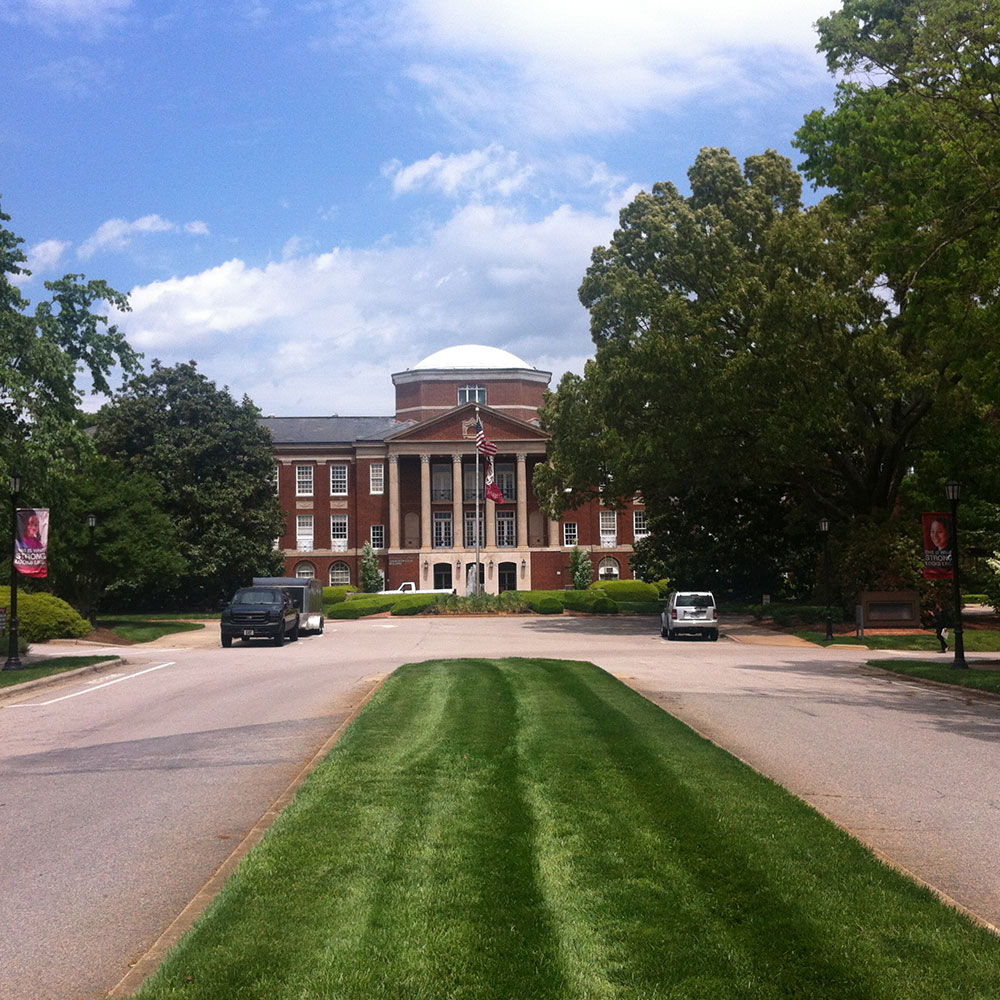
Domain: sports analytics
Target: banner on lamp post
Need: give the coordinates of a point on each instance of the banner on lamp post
(938, 563)
(31, 542)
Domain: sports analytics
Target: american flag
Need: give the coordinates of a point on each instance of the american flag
(482, 445)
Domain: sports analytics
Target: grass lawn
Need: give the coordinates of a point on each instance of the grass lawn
(976, 640)
(944, 673)
(534, 829)
(141, 628)
(53, 665)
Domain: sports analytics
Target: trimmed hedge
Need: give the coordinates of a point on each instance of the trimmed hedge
(44, 616)
(627, 590)
(544, 605)
(789, 615)
(336, 595)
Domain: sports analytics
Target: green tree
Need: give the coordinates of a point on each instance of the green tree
(912, 151)
(42, 353)
(132, 549)
(746, 374)
(581, 568)
(371, 577)
(215, 467)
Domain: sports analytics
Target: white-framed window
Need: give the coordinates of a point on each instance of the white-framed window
(340, 574)
(277, 472)
(571, 533)
(443, 538)
(376, 477)
(304, 532)
(608, 569)
(441, 481)
(378, 536)
(470, 529)
(609, 528)
(640, 527)
(303, 480)
(469, 481)
(506, 479)
(305, 571)
(338, 532)
(338, 480)
(472, 394)
(506, 529)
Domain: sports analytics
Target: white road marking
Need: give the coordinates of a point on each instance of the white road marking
(89, 690)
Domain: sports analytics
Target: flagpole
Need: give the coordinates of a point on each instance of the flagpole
(476, 591)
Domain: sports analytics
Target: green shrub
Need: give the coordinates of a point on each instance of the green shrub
(790, 615)
(43, 616)
(548, 604)
(413, 604)
(663, 588)
(627, 590)
(336, 595)
(365, 604)
(604, 606)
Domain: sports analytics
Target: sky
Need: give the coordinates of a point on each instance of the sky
(305, 197)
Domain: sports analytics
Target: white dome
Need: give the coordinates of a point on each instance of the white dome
(472, 356)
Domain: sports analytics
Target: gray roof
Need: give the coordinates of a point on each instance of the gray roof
(330, 430)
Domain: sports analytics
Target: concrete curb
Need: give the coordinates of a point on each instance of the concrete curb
(28, 687)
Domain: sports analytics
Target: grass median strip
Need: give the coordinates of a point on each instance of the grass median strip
(527, 828)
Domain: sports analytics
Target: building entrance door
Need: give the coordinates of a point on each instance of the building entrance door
(506, 577)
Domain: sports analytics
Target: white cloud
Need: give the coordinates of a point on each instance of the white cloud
(117, 234)
(320, 333)
(89, 13)
(560, 68)
(45, 256)
(493, 170)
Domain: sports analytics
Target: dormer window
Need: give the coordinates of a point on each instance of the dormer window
(472, 394)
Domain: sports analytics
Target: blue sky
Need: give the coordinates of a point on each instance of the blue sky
(305, 197)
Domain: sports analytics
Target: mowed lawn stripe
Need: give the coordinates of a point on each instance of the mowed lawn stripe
(533, 828)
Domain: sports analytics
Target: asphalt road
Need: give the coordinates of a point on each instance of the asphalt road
(122, 792)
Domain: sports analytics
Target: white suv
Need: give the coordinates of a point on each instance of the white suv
(690, 611)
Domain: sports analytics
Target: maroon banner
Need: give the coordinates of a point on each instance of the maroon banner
(937, 546)
(31, 542)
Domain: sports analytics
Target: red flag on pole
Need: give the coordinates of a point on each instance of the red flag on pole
(493, 492)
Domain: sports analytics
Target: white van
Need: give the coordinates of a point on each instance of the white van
(690, 612)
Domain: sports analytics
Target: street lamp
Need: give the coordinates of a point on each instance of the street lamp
(824, 527)
(13, 659)
(91, 524)
(953, 491)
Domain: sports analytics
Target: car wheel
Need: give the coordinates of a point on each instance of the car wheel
(279, 636)
(322, 625)
(671, 635)
(293, 632)
(227, 641)
(664, 632)
(714, 635)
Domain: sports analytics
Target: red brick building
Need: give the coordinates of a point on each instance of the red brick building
(407, 483)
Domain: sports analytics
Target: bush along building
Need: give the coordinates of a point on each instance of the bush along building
(407, 484)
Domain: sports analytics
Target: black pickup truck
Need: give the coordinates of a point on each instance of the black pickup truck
(260, 613)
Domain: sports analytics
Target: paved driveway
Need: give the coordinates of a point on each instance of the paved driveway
(122, 792)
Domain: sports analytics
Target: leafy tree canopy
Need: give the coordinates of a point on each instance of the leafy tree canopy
(215, 466)
(748, 376)
(42, 353)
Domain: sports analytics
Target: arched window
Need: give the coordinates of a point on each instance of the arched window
(305, 571)
(340, 574)
(608, 569)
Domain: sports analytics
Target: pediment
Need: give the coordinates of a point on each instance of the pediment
(459, 425)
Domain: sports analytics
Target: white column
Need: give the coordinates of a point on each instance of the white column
(456, 501)
(426, 540)
(395, 541)
(522, 500)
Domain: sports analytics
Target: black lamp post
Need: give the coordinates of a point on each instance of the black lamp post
(824, 527)
(13, 659)
(92, 601)
(953, 491)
